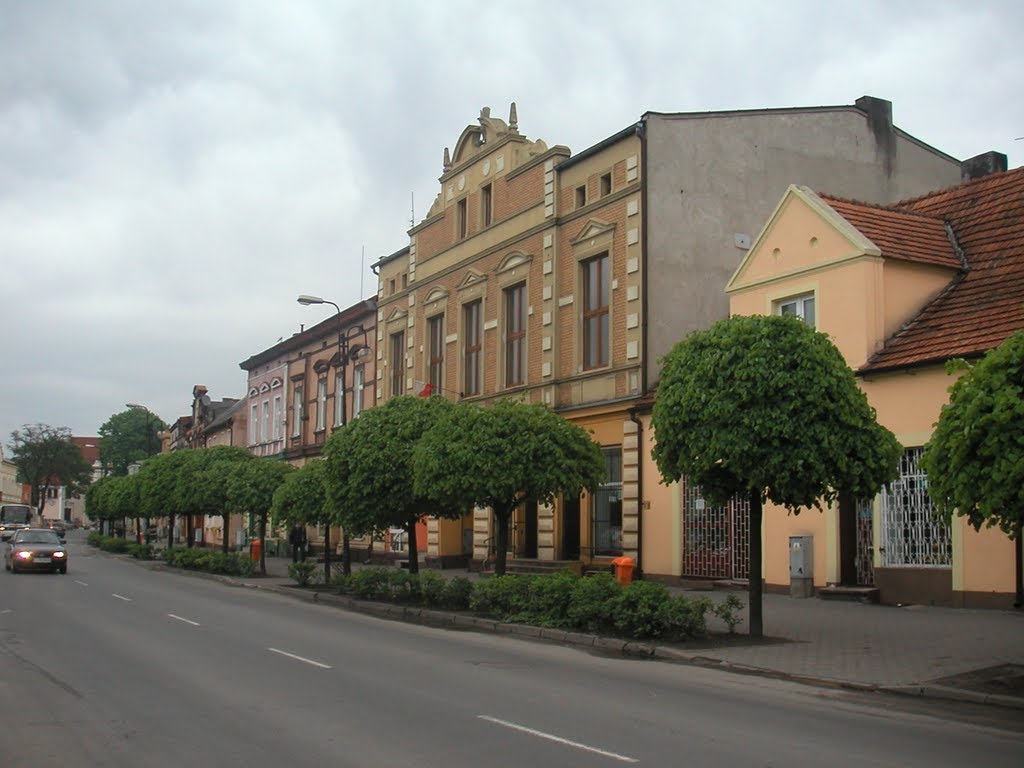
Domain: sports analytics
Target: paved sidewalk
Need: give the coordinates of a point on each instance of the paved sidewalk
(912, 649)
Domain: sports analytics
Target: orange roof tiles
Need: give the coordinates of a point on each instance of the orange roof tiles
(983, 303)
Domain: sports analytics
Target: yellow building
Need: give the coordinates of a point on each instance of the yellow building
(901, 289)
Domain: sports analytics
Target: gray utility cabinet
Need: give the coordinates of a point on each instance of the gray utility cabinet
(801, 566)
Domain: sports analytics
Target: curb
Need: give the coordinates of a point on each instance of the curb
(626, 648)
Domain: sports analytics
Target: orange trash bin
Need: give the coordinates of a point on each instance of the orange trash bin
(255, 548)
(623, 570)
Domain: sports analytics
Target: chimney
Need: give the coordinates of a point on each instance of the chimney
(879, 114)
(982, 165)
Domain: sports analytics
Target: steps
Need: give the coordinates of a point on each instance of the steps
(854, 594)
(522, 565)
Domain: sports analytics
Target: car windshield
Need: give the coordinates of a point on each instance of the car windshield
(36, 537)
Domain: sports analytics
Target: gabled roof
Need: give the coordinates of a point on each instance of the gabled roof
(984, 303)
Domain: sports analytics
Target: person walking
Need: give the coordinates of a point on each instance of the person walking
(297, 539)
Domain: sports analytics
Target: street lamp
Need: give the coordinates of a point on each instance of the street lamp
(351, 346)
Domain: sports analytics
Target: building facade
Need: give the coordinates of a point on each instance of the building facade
(563, 279)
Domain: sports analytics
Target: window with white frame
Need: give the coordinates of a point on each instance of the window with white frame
(358, 384)
(321, 403)
(278, 405)
(912, 534)
(297, 412)
(801, 306)
(266, 421)
(254, 424)
(339, 396)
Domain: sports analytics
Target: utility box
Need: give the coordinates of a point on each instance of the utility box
(801, 566)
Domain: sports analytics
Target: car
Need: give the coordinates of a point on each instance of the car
(58, 526)
(36, 549)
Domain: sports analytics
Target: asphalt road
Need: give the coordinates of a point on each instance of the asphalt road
(116, 665)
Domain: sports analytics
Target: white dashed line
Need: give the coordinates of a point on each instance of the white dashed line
(187, 621)
(121, 597)
(300, 658)
(558, 739)
(6, 610)
(81, 582)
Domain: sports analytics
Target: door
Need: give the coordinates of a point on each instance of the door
(530, 539)
(571, 529)
(716, 540)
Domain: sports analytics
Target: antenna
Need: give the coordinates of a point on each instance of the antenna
(362, 270)
(412, 209)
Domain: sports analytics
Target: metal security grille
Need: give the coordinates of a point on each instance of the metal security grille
(716, 541)
(911, 532)
(865, 543)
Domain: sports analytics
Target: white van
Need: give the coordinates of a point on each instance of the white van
(14, 517)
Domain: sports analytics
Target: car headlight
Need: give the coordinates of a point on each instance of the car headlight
(58, 554)
(25, 555)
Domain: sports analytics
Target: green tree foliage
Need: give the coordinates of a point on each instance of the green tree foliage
(766, 407)
(202, 483)
(158, 488)
(97, 506)
(46, 458)
(129, 437)
(975, 458)
(251, 486)
(302, 499)
(122, 498)
(503, 456)
(369, 468)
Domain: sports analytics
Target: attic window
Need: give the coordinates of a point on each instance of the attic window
(801, 306)
(581, 195)
(606, 184)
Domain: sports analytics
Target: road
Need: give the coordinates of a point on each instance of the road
(117, 665)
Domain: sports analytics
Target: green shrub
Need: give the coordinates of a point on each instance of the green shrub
(94, 538)
(727, 611)
(637, 611)
(457, 593)
(432, 589)
(371, 583)
(552, 596)
(507, 597)
(683, 618)
(592, 601)
(140, 551)
(340, 582)
(303, 572)
(404, 587)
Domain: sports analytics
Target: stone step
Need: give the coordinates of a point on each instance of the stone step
(856, 594)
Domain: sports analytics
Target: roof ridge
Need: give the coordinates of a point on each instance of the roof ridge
(1001, 177)
(890, 207)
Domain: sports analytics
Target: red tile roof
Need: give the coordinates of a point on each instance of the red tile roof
(984, 302)
(900, 234)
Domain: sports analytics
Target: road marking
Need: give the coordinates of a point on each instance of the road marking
(121, 597)
(81, 582)
(6, 610)
(300, 658)
(558, 739)
(187, 621)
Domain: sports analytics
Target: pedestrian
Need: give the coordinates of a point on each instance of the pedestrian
(297, 539)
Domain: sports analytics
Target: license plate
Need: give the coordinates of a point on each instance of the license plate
(42, 560)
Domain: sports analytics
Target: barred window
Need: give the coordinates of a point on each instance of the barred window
(912, 534)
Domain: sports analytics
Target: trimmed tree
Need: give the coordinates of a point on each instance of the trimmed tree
(765, 407)
(301, 499)
(501, 457)
(202, 483)
(369, 468)
(123, 499)
(158, 488)
(975, 458)
(97, 506)
(251, 486)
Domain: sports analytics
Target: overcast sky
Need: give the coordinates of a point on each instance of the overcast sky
(174, 174)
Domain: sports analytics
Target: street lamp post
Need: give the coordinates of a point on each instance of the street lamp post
(349, 348)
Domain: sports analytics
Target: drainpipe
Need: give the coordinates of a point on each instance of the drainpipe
(639, 491)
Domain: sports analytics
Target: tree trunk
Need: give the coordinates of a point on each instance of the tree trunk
(501, 517)
(263, 544)
(327, 552)
(755, 590)
(1018, 568)
(346, 553)
(124, 527)
(189, 537)
(170, 531)
(138, 530)
(227, 530)
(414, 554)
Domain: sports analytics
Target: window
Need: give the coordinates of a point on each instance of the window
(912, 534)
(595, 312)
(515, 335)
(486, 205)
(358, 384)
(801, 306)
(461, 221)
(277, 417)
(321, 403)
(254, 424)
(435, 359)
(339, 397)
(266, 421)
(581, 196)
(472, 325)
(607, 506)
(606, 184)
(391, 286)
(397, 363)
(405, 279)
(297, 412)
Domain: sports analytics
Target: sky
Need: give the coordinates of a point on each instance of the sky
(174, 174)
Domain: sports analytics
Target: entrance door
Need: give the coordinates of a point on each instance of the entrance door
(865, 555)
(571, 529)
(530, 540)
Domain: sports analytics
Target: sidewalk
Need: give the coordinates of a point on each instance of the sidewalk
(974, 655)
